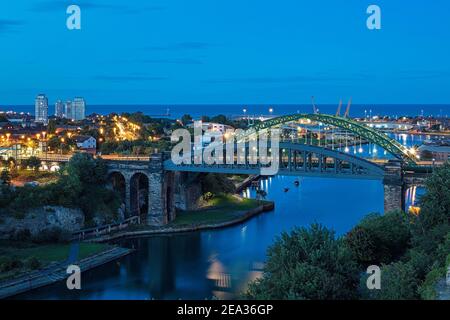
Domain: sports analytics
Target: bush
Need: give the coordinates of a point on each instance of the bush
(398, 282)
(9, 264)
(427, 289)
(208, 196)
(52, 235)
(33, 263)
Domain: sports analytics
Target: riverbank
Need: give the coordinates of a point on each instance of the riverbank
(57, 272)
(216, 217)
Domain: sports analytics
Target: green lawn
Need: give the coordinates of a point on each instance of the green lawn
(220, 209)
(89, 249)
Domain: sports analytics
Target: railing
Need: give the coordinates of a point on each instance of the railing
(105, 229)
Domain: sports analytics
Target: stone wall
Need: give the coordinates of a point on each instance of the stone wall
(42, 219)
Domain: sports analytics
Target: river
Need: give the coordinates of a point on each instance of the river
(220, 263)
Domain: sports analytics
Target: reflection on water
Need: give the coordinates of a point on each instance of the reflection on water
(412, 196)
(372, 151)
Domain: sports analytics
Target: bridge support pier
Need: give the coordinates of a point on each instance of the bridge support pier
(394, 187)
(187, 190)
(161, 200)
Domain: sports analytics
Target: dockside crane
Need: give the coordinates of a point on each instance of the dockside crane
(338, 112)
(347, 111)
(316, 111)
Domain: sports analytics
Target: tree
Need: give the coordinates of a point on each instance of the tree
(87, 169)
(435, 204)
(307, 264)
(32, 162)
(185, 119)
(379, 238)
(216, 183)
(5, 177)
(51, 127)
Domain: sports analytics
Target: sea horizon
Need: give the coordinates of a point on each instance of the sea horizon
(198, 110)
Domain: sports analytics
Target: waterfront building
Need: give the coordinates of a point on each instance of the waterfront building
(434, 151)
(59, 109)
(41, 109)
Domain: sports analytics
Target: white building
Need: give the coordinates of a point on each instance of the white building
(211, 131)
(86, 142)
(41, 109)
(212, 126)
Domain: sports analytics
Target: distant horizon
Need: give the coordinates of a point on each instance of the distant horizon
(197, 110)
(344, 104)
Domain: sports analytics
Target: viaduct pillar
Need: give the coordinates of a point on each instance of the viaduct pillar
(188, 190)
(394, 188)
(161, 200)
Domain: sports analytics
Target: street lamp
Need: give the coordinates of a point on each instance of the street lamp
(44, 140)
(245, 115)
(62, 141)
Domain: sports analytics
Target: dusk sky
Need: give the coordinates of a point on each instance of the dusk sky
(233, 51)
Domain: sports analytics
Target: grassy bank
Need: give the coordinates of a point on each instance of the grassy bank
(220, 209)
(42, 177)
(19, 257)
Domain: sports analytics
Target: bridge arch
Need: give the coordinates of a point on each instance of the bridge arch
(372, 135)
(117, 182)
(139, 194)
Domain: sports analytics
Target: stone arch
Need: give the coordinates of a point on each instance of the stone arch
(139, 194)
(118, 183)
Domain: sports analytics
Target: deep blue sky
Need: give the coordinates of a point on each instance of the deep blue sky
(225, 51)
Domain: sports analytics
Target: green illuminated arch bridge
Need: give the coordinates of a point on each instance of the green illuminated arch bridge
(370, 134)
